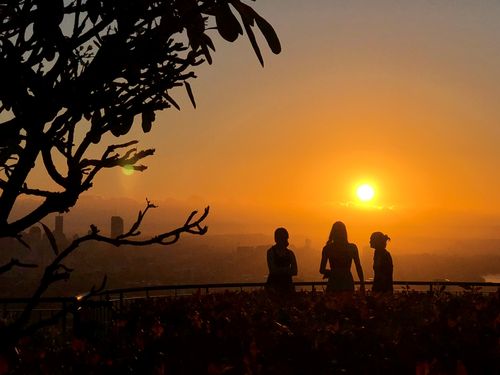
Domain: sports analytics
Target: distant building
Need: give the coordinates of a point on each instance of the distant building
(58, 233)
(116, 226)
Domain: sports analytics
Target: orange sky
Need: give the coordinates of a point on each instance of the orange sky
(403, 94)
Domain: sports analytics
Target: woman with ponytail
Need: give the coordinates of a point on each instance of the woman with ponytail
(340, 253)
(382, 264)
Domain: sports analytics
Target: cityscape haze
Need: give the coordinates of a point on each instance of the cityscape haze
(400, 95)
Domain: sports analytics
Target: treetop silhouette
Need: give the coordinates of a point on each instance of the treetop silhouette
(72, 71)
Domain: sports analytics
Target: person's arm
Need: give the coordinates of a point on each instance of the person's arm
(270, 261)
(390, 266)
(293, 266)
(359, 269)
(383, 268)
(322, 266)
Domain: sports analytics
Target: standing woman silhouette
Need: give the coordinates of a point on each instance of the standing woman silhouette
(382, 264)
(340, 254)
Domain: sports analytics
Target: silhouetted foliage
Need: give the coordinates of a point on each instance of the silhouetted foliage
(73, 71)
(305, 333)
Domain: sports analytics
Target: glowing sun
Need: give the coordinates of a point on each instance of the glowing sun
(365, 192)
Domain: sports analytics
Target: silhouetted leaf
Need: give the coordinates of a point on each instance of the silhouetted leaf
(246, 12)
(206, 52)
(24, 243)
(50, 52)
(50, 12)
(122, 125)
(206, 39)
(96, 123)
(249, 17)
(194, 38)
(190, 93)
(93, 8)
(251, 37)
(269, 33)
(51, 238)
(171, 101)
(148, 117)
(227, 24)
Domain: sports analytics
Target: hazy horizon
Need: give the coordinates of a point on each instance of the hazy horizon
(436, 235)
(399, 94)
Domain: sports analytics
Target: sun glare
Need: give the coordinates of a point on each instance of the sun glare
(128, 170)
(365, 192)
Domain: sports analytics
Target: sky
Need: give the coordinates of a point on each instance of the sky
(401, 94)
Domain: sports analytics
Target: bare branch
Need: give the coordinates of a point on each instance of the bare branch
(37, 192)
(15, 263)
(191, 226)
(133, 231)
(56, 271)
(131, 157)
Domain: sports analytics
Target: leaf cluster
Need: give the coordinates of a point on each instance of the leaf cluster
(73, 71)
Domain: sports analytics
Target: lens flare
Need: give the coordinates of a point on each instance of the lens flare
(128, 170)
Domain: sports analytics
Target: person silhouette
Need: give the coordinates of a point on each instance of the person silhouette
(382, 264)
(281, 263)
(340, 254)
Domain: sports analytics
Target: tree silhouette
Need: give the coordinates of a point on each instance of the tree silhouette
(73, 71)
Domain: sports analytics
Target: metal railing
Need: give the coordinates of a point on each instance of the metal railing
(104, 304)
(181, 289)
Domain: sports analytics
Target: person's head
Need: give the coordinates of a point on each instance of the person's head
(338, 234)
(281, 237)
(378, 240)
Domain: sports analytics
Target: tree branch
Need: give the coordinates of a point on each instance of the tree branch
(114, 161)
(56, 271)
(51, 168)
(15, 263)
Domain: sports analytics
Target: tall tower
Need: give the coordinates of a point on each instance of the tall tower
(116, 226)
(59, 235)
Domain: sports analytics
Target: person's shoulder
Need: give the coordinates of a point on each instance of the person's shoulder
(270, 250)
(352, 246)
